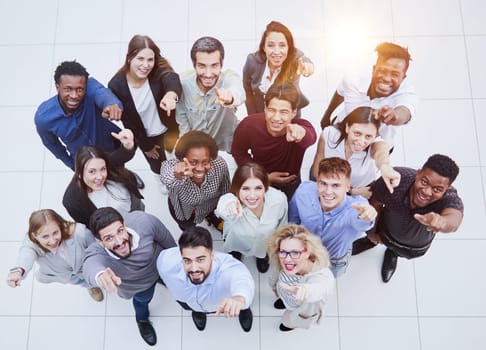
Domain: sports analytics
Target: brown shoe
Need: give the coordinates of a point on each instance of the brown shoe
(96, 294)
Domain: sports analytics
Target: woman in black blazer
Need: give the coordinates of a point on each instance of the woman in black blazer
(149, 90)
(276, 61)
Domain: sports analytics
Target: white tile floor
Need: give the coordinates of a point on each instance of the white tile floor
(435, 302)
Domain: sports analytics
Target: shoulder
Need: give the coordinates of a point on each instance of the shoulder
(168, 258)
(306, 187)
(118, 80)
(303, 122)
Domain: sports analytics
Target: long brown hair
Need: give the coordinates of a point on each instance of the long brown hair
(137, 44)
(288, 71)
(40, 218)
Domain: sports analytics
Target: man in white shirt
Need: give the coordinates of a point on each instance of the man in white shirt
(387, 91)
(206, 281)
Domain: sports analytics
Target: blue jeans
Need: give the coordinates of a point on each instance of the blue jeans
(140, 303)
(339, 266)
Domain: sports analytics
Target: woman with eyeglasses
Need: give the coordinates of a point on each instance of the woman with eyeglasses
(58, 246)
(195, 179)
(303, 281)
(356, 139)
(101, 180)
(251, 212)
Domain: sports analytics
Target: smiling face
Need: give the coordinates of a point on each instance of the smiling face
(116, 239)
(95, 174)
(387, 77)
(332, 190)
(427, 188)
(276, 49)
(252, 194)
(71, 91)
(49, 236)
(197, 263)
(360, 136)
(208, 68)
(278, 114)
(300, 263)
(142, 64)
(200, 160)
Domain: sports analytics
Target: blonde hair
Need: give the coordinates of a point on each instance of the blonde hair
(317, 252)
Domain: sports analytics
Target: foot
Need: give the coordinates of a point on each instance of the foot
(278, 304)
(362, 244)
(389, 265)
(262, 264)
(246, 319)
(138, 180)
(96, 294)
(236, 255)
(199, 319)
(147, 332)
(218, 223)
(283, 328)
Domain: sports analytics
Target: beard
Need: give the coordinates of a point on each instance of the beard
(200, 280)
(129, 242)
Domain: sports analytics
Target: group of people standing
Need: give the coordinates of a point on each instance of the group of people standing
(307, 231)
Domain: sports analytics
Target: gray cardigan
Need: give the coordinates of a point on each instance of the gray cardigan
(138, 272)
(52, 267)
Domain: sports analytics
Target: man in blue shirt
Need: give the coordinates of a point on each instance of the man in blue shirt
(206, 281)
(326, 210)
(79, 115)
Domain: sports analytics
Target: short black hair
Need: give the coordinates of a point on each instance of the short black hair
(207, 44)
(103, 217)
(195, 139)
(69, 68)
(387, 50)
(442, 165)
(195, 236)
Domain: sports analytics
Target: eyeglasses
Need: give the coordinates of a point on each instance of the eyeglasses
(109, 238)
(294, 254)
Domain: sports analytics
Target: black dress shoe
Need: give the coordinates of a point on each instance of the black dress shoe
(218, 223)
(147, 332)
(262, 264)
(246, 319)
(284, 328)
(236, 255)
(199, 319)
(389, 265)
(278, 304)
(138, 180)
(362, 244)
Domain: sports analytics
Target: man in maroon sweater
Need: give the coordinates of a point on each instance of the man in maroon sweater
(275, 139)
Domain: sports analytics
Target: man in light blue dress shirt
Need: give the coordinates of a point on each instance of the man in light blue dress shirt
(326, 209)
(205, 281)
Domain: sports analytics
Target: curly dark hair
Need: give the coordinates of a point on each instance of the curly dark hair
(195, 139)
(442, 165)
(69, 68)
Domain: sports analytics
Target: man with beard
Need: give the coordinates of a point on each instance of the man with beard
(205, 281)
(210, 95)
(326, 210)
(386, 90)
(123, 259)
(422, 205)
